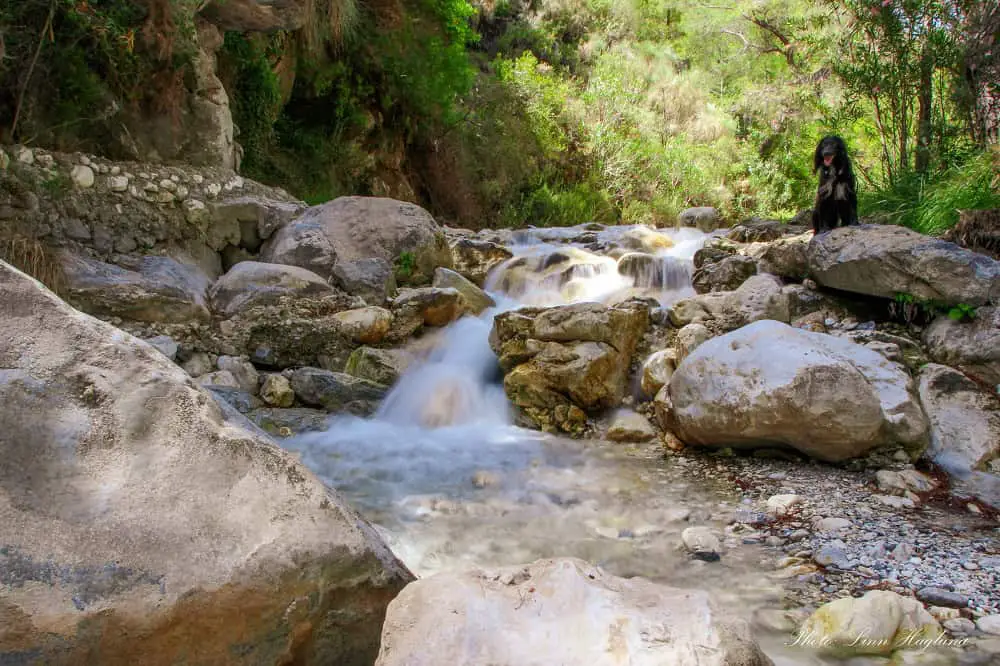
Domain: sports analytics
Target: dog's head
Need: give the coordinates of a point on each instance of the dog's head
(831, 152)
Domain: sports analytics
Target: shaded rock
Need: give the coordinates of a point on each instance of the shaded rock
(724, 275)
(382, 366)
(973, 347)
(277, 391)
(786, 257)
(165, 345)
(935, 596)
(627, 426)
(158, 289)
(964, 428)
(251, 283)
(242, 401)
(886, 260)
(288, 422)
(199, 364)
(769, 383)
(365, 325)
(756, 230)
(656, 371)
(475, 298)
(885, 619)
(372, 279)
(443, 620)
(474, 258)
(334, 391)
(714, 249)
(348, 230)
(166, 519)
(244, 372)
(704, 218)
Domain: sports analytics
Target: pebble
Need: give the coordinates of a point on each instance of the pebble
(701, 543)
(832, 556)
(831, 524)
(780, 505)
(989, 624)
(941, 597)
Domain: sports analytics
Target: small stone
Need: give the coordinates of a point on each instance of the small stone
(831, 524)
(219, 378)
(798, 535)
(197, 179)
(117, 183)
(84, 160)
(901, 456)
(242, 370)
(24, 155)
(780, 505)
(941, 613)
(165, 345)
(959, 625)
(277, 391)
(941, 597)
(199, 364)
(181, 193)
(83, 176)
(168, 185)
(970, 566)
(115, 170)
(195, 212)
(4, 160)
(486, 479)
(989, 624)
(896, 502)
(150, 188)
(213, 189)
(701, 543)
(144, 175)
(828, 556)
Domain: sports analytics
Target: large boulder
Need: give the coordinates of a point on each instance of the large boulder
(886, 260)
(336, 238)
(565, 361)
(561, 611)
(972, 346)
(704, 218)
(726, 274)
(141, 524)
(336, 391)
(151, 289)
(475, 298)
(770, 384)
(251, 283)
(964, 429)
(382, 366)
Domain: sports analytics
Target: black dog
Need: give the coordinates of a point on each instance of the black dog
(836, 197)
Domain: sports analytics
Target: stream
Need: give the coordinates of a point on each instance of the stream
(476, 490)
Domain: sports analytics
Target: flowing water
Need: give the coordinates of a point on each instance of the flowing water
(451, 482)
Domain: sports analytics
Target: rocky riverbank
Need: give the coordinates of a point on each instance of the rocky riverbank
(829, 403)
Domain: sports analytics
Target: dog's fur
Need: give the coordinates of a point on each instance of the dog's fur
(836, 197)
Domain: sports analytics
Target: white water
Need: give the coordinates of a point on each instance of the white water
(450, 482)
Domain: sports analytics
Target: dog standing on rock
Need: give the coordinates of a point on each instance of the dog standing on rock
(837, 197)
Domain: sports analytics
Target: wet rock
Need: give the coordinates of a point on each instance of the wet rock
(627, 426)
(382, 366)
(277, 391)
(156, 289)
(358, 229)
(704, 218)
(475, 298)
(702, 543)
(365, 325)
(433, 621)
(886, 260)
(973, 347)
(475, 258)
(334, 391)
(165, 345)
(965, 429)
(885, 619)
(288, 422)
(429, 306)
(725, 275)
(251, 283)
(936, 596)
(771, 383)
(168, 518)
(561, 362)
(656, 371)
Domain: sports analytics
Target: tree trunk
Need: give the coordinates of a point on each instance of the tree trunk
(982, 70)
(925, 99)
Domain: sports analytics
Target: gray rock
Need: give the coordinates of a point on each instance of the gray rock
(334, 391)
(702, 543)
(251, 284)
(886, 260)
(382, 366)
(277, 391)
(199, 364)
(239, 399)
(973, 347)
(165, 345)
(243, 371)
(288, 422)
(936, 596)
(705, 218)
(725, 275)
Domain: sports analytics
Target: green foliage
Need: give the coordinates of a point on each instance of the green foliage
(256, 95)
(930, 203)
(405, 263)
(962, 312)
(915, 310)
